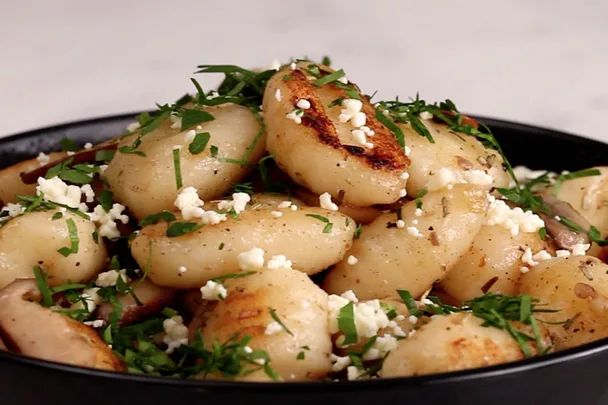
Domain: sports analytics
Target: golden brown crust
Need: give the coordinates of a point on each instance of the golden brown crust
(386, 155)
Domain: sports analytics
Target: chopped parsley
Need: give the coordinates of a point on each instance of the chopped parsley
(329, 225)
(74, 239)
(155, 218)
(177, 229)
(178, 168)
(275, 317)
(194, 117)
(199, 143)
(346, 324)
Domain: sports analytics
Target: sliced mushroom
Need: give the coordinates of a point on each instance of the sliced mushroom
(152, 298)
(32, 330)
(563, 236)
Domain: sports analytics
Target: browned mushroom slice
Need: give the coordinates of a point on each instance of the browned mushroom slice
(84, 156)
(32, 330)
(152, 298)
(563, 236)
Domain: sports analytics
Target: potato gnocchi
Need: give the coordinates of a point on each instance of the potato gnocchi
(284, 227)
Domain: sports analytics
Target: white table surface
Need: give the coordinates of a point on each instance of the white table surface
(541, 62)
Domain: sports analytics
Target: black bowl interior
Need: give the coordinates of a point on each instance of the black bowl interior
(576, 376)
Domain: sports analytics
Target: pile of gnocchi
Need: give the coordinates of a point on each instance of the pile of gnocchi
(285, 227)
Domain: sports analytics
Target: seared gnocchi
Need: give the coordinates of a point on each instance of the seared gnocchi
(284, 228)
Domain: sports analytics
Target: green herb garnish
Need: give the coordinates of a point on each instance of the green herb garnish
(178, 168)
(199, 143)
(177, 229)
(409, 302)
(329, 225)
(346, 324)
(74, 239)
(574, 175)
(155, 218)
(276, 318)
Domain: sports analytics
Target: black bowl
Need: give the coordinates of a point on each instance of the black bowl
(576, 376)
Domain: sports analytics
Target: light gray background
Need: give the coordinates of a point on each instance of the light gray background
(541, 62)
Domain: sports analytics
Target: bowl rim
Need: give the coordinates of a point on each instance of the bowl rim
(500, 370)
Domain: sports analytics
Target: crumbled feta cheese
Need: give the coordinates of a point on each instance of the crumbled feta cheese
(524, 269)
(404, 176)
(425, 115)
(580, 249)
(109, 278)
(349, 295)
(272, 328)
(407, 150)
(43, 158)
(400, 224)
(512, 219)
(190, 204)
(528, 258)
(350, 108)
(103, 168)
(381, 347)
(189, 137)
(292, 66)
(369, 316)
(359, 136)
(562, 253)
(303, 104)
(14, 210)
(279, 262)
(176, 333)
(359, 119)
(251, 260)
(70, 153)
(418, 212)
(413, 231)
(276, 214)
(325, 202)
(97, 323)
(446, 178)
(132, 127)
(213, 291)
(293, 207)
(88, 192)
(284, 204)
(412, 319)
(88, 145)
(369, 145)
(524, 175)
(352, 260)
(354, 373)
(238, 203)
(277, 95)
(248, 350)
(339, 363)
(542, 256)
(92, 300)
(343, 80)
(402, 193)
(261, 362)
(182, 269)
(56, 190)
(107, 220)
(295, 116)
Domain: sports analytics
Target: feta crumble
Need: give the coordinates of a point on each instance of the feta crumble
(512, 219)
(303, 104)
(88, 192)
(251, 260)
(13, 210)
(279, 262)
(43, 158)
(295, 116)
(400, 224)
(447, 178)
(402, 193)
(339, 363)
(214, 291)
(351, 111)
(107, 220)
(413, 231)
(182, 269)
(418, 212)
(190, 206)
(276, 214)
(92, 300)
(352, 260)
(88, 145)
(134, 126)
(97, 323)
(425, 115)
(189, 136)
(238, 203)
(284, 204)
(580, 249)
(57, 191)
(277, 95)
(272, 328)
(176, 333)
(109, 278)
(325, 202)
